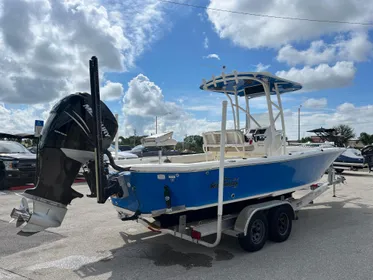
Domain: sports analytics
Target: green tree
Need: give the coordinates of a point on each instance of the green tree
(343, 133)
(179, 146)
(306, 140)
(366, 138)
(121, 140)
(132, 141)
(194, 143)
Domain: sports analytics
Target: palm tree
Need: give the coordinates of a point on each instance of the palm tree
(343, 133)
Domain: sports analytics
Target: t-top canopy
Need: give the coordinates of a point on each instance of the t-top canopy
(320, 130)
(248, 83)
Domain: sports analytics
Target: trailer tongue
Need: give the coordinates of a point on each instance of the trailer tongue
(70, 139)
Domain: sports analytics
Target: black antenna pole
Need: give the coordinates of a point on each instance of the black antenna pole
(97, 130)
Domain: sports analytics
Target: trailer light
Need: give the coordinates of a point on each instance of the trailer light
(154, 230)
(196, 235)
(314, 186)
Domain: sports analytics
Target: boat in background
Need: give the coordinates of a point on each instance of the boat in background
(159, 140)
(350, 159)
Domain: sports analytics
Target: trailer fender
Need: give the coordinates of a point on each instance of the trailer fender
(247, 213)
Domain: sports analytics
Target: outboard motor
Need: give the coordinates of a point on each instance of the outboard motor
(67, 143)
(71, 138)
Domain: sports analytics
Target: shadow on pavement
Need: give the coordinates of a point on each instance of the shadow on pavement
(168, 251)
(12, 241)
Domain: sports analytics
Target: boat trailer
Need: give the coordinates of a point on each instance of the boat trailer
(253, 225)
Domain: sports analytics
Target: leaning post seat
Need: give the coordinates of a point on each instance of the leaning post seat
(235, 142)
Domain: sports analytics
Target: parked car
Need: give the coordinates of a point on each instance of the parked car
(18, 165)
(142, 151)
(124, 148)
(121, 154)
(32, 149)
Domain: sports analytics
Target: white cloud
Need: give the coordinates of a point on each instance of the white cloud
(313, 103)
(260, 67)
(358, 48)
(145, 98)
(254, 32)
(142, 102)
(347, 108)
(111, 91)
(317, 53)
(46, 44)
(201, 108)
(22, 120)
(321, 77)
(212, 55)
(358, 118)
(355, 48)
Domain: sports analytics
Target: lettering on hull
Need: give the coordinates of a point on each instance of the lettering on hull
(228, 183)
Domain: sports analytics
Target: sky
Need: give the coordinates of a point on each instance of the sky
(153, 56)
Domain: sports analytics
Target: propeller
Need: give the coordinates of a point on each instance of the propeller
(22, 214)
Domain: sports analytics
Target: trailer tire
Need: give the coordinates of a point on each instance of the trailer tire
(256, 233)
(280, 223)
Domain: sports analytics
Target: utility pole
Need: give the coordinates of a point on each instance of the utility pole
(156, 125)
(134, 137)
(299, 122)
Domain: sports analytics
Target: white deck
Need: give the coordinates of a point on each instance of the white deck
(198, 162)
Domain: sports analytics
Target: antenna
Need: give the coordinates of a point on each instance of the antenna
(97, 130)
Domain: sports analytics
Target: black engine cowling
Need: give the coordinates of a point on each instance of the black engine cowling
(67, 142)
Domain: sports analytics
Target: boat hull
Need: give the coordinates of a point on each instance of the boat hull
(195, 186)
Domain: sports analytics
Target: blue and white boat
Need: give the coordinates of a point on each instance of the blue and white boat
(254, 159)
(256, 163)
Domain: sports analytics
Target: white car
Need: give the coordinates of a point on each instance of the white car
(121, 155)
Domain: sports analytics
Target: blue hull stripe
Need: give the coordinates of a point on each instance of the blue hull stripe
(196, 189)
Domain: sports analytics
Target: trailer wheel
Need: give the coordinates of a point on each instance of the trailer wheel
(256, 234)
(280, 223)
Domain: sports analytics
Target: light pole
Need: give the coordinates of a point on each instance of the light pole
(299, 122)
(156, 122)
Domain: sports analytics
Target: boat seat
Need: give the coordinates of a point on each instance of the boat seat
(236, 141)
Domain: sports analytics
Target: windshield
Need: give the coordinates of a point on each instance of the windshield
(356, 152)
(12, 147)
(138, 148)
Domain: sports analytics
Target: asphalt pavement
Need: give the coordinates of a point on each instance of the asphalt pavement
(331, 240)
